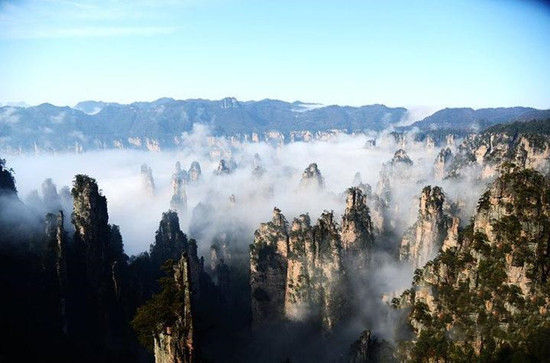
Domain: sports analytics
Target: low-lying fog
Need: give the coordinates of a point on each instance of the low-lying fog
(138, 212)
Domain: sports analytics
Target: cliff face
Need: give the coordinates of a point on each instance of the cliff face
(178, 202)
(310, 267)
(312, 178)
(299, 297)
(92, 231)
(488, 295)
(96, 269)
(357, 231)
(175, 343)
(441, 164)
(489, 150)
(268, 268)
(329, 272)
(434, 227)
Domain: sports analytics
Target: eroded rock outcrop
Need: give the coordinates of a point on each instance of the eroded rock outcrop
(304, 267)
(312, 178)
(357, 231)
(99, 262)
(441, 164)
(176, 342)
(268, 269)
(435, 226)
(178, 202)
(488, 296)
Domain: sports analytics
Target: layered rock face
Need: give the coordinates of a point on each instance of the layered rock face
(299, 297)
(92, 233)
(268, 268)
(488, 151)
(441, 164)
(357, 231)
(99, 259)
(434, 227)
(310, 269)
(329, 272)
(176, 342)
(375, 204)
(312, 178)
(488, 296)
(178, 202)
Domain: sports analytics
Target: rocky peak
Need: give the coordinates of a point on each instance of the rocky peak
(329, 274)
(311, 177)
(222, 169)
(147, 179)
(178, 202)
(495, 280)
(357, 230)
(442, 162)
(90, 219)
(299, 297)
(268, 269)
(170, 241)
(434, 227)
(401, 157)
(176, 341)
(194, 172)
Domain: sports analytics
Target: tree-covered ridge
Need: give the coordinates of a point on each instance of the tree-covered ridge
(540, 126)
(489, 298)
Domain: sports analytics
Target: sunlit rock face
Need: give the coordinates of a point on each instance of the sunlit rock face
(312, 178)
(329, 272)
(268, 268)
(357, 231)
(435, 224)
(178, 202)
(300, 273)
(176, 343)
(299, 297)
(441, 164)
(486, 152)
(495, 275)
(147, 179)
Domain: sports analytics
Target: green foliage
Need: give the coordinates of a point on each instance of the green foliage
(541, 127)
(161, 310)
(6, 177)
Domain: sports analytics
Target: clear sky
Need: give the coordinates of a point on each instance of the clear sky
(399, 53)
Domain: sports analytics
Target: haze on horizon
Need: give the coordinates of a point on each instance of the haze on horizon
(438, 54)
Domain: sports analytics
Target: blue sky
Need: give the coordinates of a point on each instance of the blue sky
(399, 53)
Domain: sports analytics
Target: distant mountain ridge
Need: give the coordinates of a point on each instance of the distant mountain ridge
(469, 119)
(161, 123)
